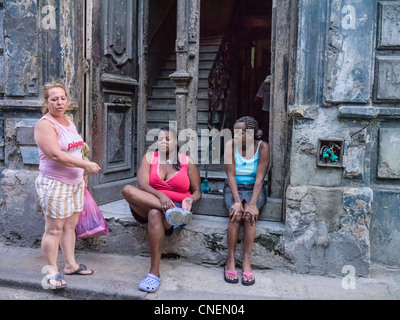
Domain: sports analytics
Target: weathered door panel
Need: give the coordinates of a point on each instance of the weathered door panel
(111, 107)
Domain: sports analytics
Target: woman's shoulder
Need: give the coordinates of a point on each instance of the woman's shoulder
(264, 144)
(185, 159)
(230, 143)
(264, 147)
(150, 156)
(45, 123)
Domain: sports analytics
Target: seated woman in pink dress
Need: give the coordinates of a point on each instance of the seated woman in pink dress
(168, 182)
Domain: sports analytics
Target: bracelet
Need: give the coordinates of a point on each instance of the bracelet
(254, 204)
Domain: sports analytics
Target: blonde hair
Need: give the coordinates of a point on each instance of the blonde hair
(47, 88)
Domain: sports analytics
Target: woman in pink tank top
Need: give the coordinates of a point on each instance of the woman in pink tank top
(167, 179)
(60, 184)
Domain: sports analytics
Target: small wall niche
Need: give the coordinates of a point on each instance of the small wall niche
(330, 153)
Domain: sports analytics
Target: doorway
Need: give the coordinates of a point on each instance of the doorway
(262, 40)
(246, 25)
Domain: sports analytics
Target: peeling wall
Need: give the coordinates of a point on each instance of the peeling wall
(334, 215)
(38, 44)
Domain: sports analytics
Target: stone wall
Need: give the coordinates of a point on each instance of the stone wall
(345, 213)
(327, 229)
(40, 41)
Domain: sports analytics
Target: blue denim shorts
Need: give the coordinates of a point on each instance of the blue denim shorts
(245, 194)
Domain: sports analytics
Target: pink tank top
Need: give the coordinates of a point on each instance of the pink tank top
(176, 188)
(71, 142)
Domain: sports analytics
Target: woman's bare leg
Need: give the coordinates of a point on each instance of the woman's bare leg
(249, 236)
(141, 201)
(156, 239)
(232, 238)
(148, 207)
(51, 243)
(68, 240)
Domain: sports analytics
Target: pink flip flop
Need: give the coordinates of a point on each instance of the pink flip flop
(233, 273)
(246, 281)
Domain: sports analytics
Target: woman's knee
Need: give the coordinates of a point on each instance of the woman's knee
(54, 230)
(128, 192)
(249, 221)
(237, 219)
(155, 216)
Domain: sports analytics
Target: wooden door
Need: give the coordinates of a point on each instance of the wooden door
(111, 94)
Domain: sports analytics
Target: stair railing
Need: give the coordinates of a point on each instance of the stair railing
(219, 82)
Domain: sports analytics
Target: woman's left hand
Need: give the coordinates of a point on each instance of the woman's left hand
(253, 213)
(187, 203)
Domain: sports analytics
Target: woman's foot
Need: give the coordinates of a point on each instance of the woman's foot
(56, 281)
(80, 270)
(150, 283)
(248, 278)
(230, 274)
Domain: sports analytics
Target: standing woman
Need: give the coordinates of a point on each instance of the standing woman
(246, 164)
(60, 185)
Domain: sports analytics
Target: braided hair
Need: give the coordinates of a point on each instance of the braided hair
(251, 124)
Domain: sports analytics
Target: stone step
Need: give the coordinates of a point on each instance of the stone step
(215, 40)
(160, 102)
(168, 92)
(209, 48)
(203, 63)
(202, 241)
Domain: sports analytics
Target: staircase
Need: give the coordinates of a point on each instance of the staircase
(161, 102)
(161, 110)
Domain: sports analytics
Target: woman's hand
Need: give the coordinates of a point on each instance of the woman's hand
(91, 167)
(235, 210)
(187, 203)
(253, 213)
(166, 203)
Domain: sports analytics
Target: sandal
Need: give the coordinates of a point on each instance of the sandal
(246, 281)
(150, 283)
(59, 277)
(81, 268)
(231, 272)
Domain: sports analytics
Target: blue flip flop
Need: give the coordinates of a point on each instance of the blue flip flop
(150, 283)
(59, 277)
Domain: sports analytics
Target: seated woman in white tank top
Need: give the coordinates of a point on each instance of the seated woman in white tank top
(246, 164)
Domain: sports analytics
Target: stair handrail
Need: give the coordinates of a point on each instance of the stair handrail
(219, 81)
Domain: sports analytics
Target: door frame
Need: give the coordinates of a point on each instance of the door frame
(283, 70)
